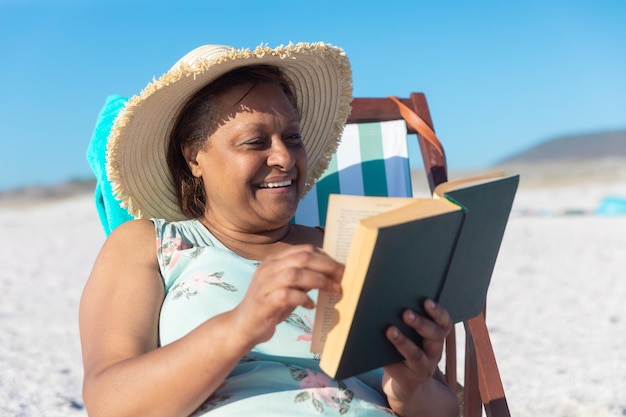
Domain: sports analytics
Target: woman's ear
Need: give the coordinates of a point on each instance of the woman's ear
(190, 153)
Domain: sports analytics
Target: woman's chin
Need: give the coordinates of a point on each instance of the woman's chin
(279, 218)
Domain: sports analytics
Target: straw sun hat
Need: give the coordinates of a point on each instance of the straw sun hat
(137, 145)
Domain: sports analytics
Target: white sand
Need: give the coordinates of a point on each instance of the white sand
(47, 253)
(557, 309)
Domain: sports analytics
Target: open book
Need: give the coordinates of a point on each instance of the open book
(399, 252)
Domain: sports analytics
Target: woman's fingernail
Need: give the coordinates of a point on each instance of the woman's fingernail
(412, 315)
(395, 333)
(431, 304)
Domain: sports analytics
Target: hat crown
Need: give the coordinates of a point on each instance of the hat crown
(204, 52)
(137, 163)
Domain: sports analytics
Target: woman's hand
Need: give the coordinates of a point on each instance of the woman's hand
(280, 284)
(410, 385)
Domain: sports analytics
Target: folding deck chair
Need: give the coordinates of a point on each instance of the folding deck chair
(482, 386)
(373, 159)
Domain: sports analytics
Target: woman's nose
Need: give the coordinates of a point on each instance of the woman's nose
(280, 155)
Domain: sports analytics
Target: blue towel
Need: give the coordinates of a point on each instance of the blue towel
(612, 206)
(109, 210)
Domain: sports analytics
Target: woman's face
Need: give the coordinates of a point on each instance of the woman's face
(254, 165)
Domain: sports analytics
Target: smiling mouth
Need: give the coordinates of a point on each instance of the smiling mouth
(278, 184)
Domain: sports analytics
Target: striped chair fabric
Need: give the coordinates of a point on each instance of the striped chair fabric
(372, 159)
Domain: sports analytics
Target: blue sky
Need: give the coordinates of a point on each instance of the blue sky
(500, 76)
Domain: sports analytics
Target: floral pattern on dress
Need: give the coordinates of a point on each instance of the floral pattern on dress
(306, 325)
(317, 388)
(195, 284)
(171, 249)
(212, 402)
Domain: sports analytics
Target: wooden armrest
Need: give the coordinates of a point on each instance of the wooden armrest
(479, 353)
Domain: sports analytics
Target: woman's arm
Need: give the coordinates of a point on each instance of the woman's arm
(127, 375)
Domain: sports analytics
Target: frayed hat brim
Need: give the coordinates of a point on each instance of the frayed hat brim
(137, 145)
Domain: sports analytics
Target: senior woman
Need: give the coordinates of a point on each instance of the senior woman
(200, 305)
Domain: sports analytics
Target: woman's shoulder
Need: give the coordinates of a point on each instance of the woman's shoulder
(134, 238)
(140, 230)
(133, 229)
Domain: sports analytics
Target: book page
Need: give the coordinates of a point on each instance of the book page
(344, 212)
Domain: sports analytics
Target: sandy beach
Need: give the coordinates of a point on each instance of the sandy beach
(556, 308)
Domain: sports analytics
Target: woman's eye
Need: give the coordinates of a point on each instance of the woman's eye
(256, 142)
(294, 139)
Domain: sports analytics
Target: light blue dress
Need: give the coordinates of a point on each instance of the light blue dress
(202, 279)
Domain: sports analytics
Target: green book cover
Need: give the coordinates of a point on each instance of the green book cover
(444, 249)
(407, 266)
(487, 207)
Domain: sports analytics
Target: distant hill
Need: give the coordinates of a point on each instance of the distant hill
(574, 148)
(36, 193)
(571, 160)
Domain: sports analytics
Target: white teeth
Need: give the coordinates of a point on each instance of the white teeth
(275, 184)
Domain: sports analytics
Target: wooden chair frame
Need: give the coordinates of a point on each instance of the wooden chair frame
(482, 385)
